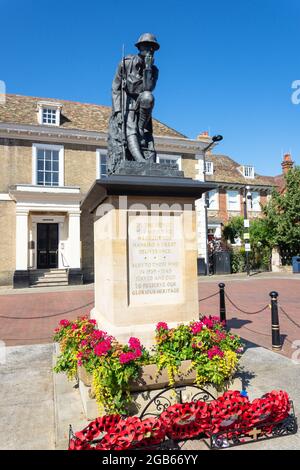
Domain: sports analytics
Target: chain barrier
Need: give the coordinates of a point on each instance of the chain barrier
(47, 316)
(288, 316)
(209, 296)
(244, 311)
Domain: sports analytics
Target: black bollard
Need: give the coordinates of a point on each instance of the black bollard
(222, 302)
(276, 343)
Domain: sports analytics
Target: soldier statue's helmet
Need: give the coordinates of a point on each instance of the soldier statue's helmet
(148, 38)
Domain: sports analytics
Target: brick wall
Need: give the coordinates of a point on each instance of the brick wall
(15, 163)
(224, 214)
(80, 166)
(8, 241)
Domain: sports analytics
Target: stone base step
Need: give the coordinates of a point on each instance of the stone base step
(49, 284)
(48, 277)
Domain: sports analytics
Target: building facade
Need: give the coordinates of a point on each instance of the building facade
(234, 181)
(51, 152)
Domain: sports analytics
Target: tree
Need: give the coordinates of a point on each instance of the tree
(282, 213)
(234, 228)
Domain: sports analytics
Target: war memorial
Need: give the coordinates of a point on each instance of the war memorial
(159, 373)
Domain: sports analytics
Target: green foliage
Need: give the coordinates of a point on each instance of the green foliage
(213, 351)
(238, 261)
(234, 228)
(282, 213)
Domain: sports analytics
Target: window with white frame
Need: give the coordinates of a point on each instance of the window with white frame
(254, 203)
(101, 155)
(209, 168)
(248, 171)
(213, 198)
(49, 113)
(170, 160)
(49, 116)
(48, 165)
(233, 201)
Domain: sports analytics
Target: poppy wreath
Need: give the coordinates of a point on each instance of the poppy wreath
(120, 434)
(227, 410)
(103, 424)
(270, 408)
(232, 412)
(187, 420)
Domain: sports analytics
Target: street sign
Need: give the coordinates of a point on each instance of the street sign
(246, 236)
(246, 223)
(247, 247)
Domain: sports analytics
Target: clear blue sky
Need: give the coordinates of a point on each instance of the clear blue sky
(225, 66)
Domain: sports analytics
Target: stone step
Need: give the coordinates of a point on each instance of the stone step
(47, 271)
(49, 276)
(49, 284)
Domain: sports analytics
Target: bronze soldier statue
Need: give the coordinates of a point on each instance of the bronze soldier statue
(130, 126)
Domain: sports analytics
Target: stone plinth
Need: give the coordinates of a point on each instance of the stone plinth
(145, 253)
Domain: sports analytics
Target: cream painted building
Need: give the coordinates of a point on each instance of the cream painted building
(51, 152)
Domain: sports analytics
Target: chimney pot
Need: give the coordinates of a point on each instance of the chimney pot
(287, 163)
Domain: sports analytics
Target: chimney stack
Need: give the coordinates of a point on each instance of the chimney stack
(287, 163)
(204, 134)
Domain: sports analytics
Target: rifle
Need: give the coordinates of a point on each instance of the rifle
(123, 86)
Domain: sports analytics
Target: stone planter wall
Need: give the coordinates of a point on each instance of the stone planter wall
(148, 385)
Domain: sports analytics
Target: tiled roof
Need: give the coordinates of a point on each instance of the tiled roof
(19, 109)
(227, 170)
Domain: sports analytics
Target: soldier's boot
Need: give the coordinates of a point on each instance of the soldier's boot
(134, 148)
(146, 103)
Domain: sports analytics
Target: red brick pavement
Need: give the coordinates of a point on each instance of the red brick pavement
(40, 330)
(249, 295)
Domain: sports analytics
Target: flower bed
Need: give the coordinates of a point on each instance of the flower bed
(200, 352)
(229, 413)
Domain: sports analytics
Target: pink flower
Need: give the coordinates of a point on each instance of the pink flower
(197, 327)
(79, 363)
(138, 353)
(126, 357)
(215, 351)
(74, 327)
(162, 326)
(102, 348)
(134, 343)
(99, 334)
(83, 342)
(221, 335)
(93, 322)
(64, 322)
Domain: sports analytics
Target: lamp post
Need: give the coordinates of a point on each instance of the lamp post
(214, 139)
(247, 197)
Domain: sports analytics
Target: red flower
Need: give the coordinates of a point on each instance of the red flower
(196, 327)
(162, 326)
(98, 334)
(126, 357)
(215, 351)
(134, 343)
(102, 348)
(64, 323)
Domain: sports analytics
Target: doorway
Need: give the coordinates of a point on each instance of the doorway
(47, 246)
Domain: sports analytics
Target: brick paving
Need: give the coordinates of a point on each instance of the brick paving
(249, 294)
(61, 304)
